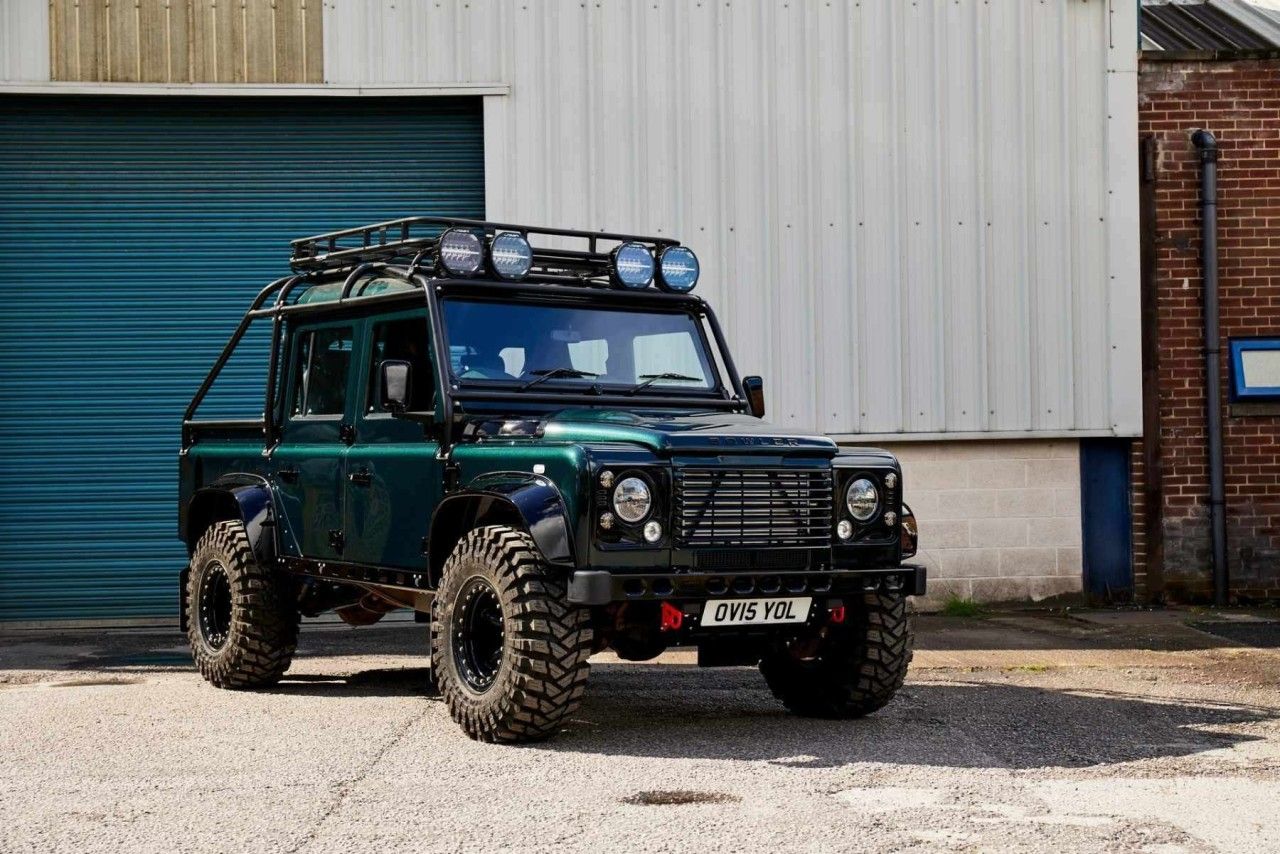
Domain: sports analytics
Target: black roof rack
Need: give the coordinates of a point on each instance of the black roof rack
(417, 238)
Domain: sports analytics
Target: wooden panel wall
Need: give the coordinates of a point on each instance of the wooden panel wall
(187, 41)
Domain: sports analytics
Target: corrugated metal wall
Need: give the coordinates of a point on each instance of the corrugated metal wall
(914, 218)
(24, 40)
(133, 234)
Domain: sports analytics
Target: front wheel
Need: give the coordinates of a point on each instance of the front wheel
(509, 651)
(852, 669)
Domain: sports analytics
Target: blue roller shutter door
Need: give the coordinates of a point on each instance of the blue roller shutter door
(133, 233)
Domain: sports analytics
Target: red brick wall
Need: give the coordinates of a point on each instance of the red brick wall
(1240, 103)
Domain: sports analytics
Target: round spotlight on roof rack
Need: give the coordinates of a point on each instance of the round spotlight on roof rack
(677, 269)
(633, 265)
(460, 253)
(510, 255)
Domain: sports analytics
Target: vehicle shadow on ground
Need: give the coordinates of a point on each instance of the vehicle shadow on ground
(685, 712)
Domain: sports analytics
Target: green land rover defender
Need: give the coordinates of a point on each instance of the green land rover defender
(537, 440)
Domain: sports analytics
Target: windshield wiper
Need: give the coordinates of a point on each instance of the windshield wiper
(545, 374)
(650, 379)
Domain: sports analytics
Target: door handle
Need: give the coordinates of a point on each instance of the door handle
(288, 475)
(360, 477)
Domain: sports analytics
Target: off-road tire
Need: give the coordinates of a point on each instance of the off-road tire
(263, 616)
(542, 673)
(859, 665)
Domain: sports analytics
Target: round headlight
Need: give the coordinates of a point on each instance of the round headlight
(862, 499)
(510, 255)
(677, 270)
(632, 499)
(460, 252)
(633, 265)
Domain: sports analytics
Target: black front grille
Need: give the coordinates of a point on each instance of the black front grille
(753, 507)
(745, 560)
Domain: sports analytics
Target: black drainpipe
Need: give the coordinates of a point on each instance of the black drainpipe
(1208, 148)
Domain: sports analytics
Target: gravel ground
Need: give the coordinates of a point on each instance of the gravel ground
(1017, 732)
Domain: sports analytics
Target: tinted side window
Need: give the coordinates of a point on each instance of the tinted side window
(324, 362)
(407, 340)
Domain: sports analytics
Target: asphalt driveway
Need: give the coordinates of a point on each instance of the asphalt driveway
(1026, 732)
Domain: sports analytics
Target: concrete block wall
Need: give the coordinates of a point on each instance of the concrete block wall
(999, 520)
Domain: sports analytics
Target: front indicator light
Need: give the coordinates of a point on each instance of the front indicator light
(891, 519)
(652, 531)
(845, 529)
(606, 521)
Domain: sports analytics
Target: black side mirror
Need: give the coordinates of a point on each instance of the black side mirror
(396, 376)
(754, 387)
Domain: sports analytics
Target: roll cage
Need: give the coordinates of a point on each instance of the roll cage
(406, 250)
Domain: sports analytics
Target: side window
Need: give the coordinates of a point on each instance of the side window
(320, 379)
(408, 340)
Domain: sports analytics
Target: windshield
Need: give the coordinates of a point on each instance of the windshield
(651, 351)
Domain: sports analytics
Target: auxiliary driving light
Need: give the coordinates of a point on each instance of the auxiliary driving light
(678, 270)
(460, 252)
(510, 255)
(633, 265)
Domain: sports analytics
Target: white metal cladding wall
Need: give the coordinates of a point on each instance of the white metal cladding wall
(134, 232)
(914, 218)
(24, 40)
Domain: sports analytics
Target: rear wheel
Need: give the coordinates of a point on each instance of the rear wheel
(508, 650)
(852, 669)
(242, 619)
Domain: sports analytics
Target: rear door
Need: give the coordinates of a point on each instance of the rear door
(308, 462)
(394, 479)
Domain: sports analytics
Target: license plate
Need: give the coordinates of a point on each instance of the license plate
(755, 612)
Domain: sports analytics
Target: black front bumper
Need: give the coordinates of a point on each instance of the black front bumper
(600, 587)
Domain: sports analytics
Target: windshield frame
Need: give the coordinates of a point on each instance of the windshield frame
(577, 387)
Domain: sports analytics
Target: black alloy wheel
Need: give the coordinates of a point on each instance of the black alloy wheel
(479, 634)
(214, 598)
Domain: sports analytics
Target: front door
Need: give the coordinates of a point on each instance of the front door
(394, 479)
(308, 463)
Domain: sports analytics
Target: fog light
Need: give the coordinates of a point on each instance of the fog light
(652, 531)
(606, 521)
(845, 529)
